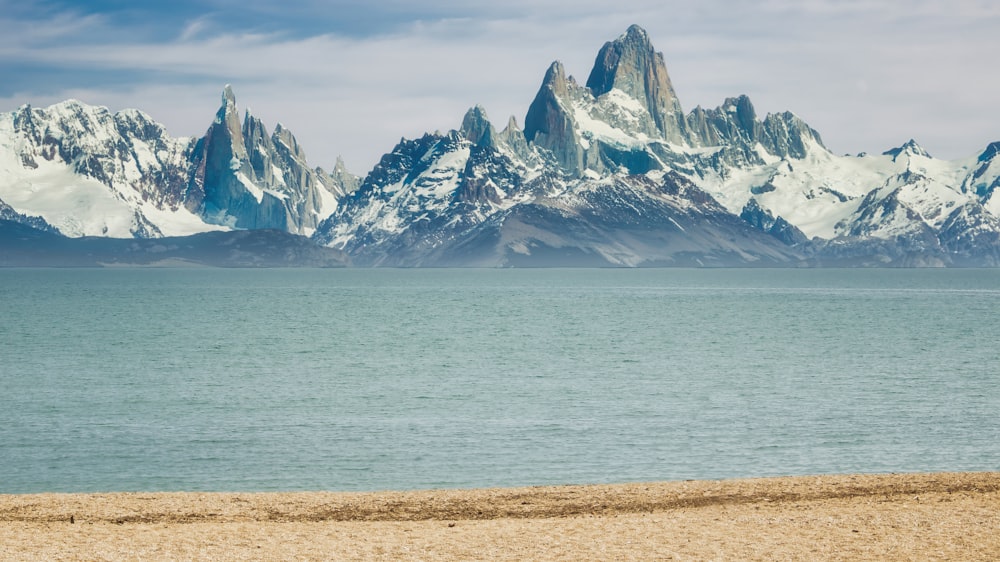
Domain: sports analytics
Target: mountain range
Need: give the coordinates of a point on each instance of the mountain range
(611, 172)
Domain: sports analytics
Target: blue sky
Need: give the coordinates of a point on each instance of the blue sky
(349, 77)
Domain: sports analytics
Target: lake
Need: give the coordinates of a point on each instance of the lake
(372, 379)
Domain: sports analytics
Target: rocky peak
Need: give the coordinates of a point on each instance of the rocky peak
(547, 106)
(910, 148)
(734, 125)
(985, 180)
(990, 153)
(555, 80)
(227, 105)
(619, 62)
(762, 219)
(513, 137)
(244, 178)
(477, 128)
(348, 181)
(787, 135)
(550, 124)
(630, 64)
(284, 137)
(254, 132)
(140, 125)
(7, 213)
(735, 121)
(227, 128)
(742, 112)
(259, 148)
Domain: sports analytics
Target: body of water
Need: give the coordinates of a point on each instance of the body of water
(356, 379)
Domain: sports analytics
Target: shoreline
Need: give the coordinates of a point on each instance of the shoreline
(861, 516)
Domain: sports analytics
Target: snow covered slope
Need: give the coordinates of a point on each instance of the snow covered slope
(614, 173)
(89, 172)
(474, 196)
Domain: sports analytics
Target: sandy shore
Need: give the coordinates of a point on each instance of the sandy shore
(857, 517)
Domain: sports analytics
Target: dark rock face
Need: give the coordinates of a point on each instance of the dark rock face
(513, 138)
(985, 179)
(7, 213)
(222, 172)
(735, 126)
(550, 123)
(488, 177)
(631, 65)
(476, 127)
(764, 221)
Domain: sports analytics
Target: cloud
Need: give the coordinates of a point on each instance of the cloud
(352, 78)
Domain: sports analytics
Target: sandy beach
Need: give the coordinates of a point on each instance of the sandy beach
(948, 516)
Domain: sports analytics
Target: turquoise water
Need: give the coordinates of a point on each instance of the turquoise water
(232, 380)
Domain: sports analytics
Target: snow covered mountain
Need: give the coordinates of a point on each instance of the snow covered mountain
(478, 197)
(614, 173)
(87, 172)
(609, 173)
(245, 179)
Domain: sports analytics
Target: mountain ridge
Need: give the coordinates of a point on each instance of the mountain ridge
(609, 173)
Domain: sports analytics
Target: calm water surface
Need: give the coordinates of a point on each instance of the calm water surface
(232, 380)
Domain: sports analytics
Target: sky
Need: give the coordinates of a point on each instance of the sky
(351, 77)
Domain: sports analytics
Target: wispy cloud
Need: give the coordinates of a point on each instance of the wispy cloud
(351, 77)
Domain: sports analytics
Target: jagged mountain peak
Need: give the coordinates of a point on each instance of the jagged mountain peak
(629, 52)
(476, 126)
(555, 79)
(742, 110)
(227, 115)
(631, 64)
(245, 178)
(340, 166)
(636, 34)
(282, 135)
(628, 117)
(252, 123)
(90, 172)
(228, 97)
(740, 103)
(227, 107)
(549, 123)
(910, 148)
